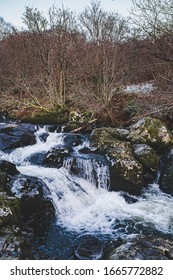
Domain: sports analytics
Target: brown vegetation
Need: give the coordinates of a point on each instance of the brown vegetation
(84, 62)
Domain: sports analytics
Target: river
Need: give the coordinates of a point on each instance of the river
(83, 203)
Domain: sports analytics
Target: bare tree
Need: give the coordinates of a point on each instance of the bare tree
(104, 32)
(5, 29)
(153, 20)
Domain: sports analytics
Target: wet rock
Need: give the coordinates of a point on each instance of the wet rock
(10, 221)
(8, 167)
(126, 173)
(37, 158)
(166, 172)
(55, 157)
(9, 210)
(54, 128)
(129, 199)
(36, 206)
(72, 140)
(150, 131)
(89, 247)
(10, 240)
(3, 180)
(144, 248)
(16, 135)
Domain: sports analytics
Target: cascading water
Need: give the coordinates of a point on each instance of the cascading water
(80, 192)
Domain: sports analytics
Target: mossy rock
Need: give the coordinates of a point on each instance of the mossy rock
(151, 131)
(125, 171)
(79, 118)
(58, 116)
(76, 120)
(105, 137)
(146, 156)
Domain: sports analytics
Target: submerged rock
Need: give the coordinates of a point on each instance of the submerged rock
(144, 248)
(89, 247)
(150, 131)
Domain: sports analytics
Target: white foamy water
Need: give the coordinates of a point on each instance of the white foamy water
(81, 205)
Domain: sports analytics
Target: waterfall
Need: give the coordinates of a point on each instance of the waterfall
(80, 191)
(91, 170)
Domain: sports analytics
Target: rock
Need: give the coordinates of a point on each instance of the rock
(103, 136)
(78, 119)
(146, 156)
(150, 131)
(3, 179)
(55, 157)
(126, 173)
(8, 167)
(36, 206)
(72, 140)
(10, 243)
(58, 116)
(166, 172)
(144, 248)
(16, 135)
(10, 221)
(89, 247)
(9, 210)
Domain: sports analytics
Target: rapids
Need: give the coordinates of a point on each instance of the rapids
(83, 202)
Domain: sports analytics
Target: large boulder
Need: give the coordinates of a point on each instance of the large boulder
(14, 135)
(166, 172)
(144, 248)
(126, 173)
(150, 131)
(102, 137)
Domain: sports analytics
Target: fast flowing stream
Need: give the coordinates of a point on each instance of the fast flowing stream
(82, 200)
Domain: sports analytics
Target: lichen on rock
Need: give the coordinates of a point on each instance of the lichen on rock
(125, 171)
(146, 156)
(150, 131)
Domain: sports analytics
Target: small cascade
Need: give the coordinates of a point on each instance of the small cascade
(80, 192)
(94, 171)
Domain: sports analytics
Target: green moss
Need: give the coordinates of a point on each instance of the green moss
(58, 116)
(151, 131)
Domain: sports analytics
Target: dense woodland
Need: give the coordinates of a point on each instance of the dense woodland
(84, 61)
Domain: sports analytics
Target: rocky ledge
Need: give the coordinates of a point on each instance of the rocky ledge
(134, 154)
